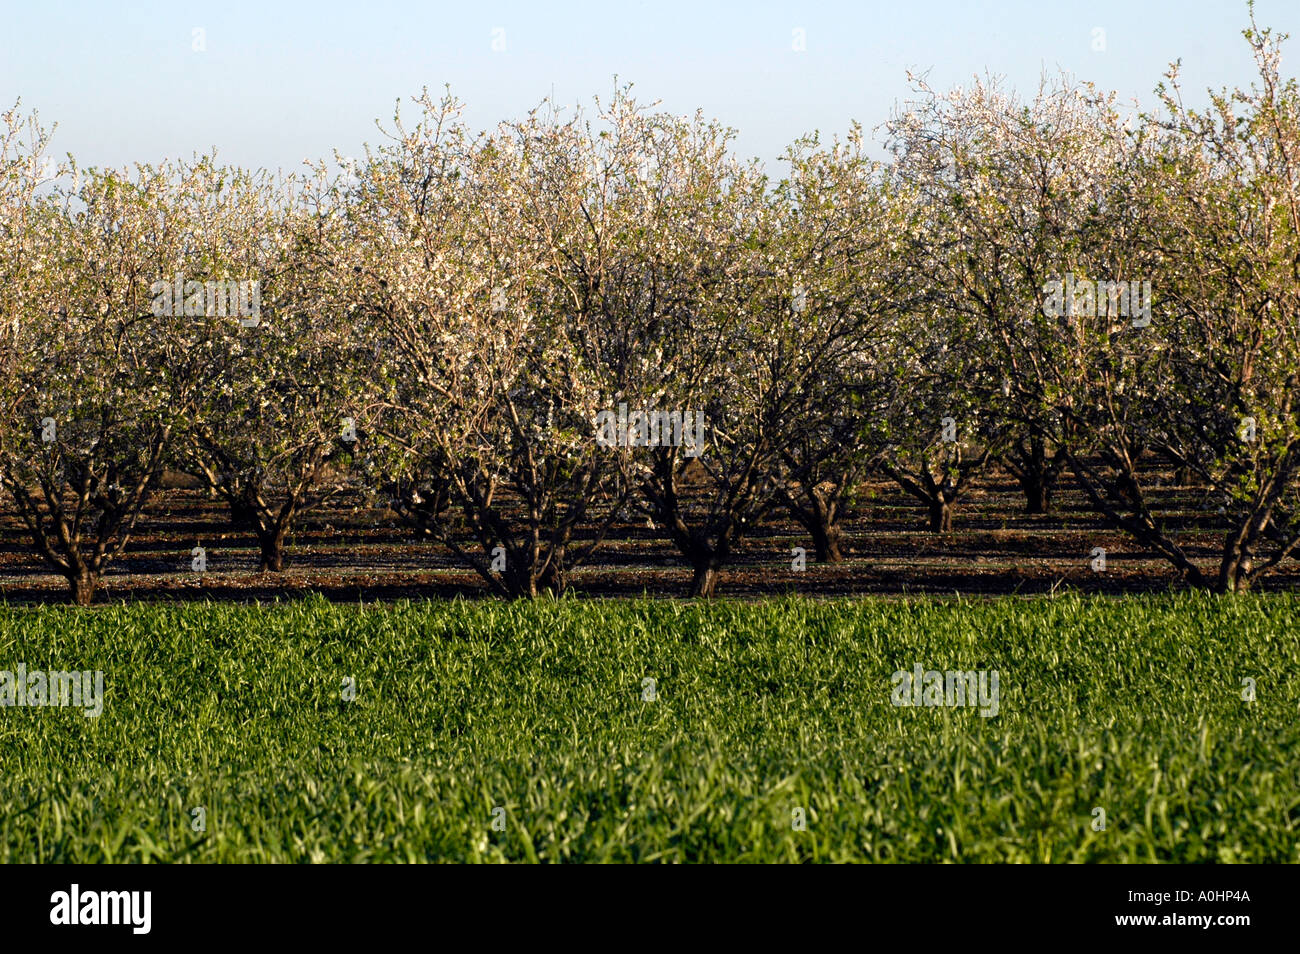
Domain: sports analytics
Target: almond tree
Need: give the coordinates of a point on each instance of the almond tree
(1010, 189)
(284, 408)
(1214, 214)
(489, 403)
(673, 290)
(837, 295)
(93, 382)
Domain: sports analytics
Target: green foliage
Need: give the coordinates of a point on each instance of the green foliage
(1134, 707)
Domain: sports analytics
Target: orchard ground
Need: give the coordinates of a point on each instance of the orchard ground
(351, 550)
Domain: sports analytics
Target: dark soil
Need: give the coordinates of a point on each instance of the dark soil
(351, 552)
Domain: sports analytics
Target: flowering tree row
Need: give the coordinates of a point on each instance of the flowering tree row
(515, 338)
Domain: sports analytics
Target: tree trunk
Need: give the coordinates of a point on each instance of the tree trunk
(1036, 475)
(815, 514)
(704, 582)
(1037, 488)
(1234, 570)
(518, 582)
(1232, 580)
(83, 585)
(940, 515)
(554, 580)
(826, 541)
(272, 552)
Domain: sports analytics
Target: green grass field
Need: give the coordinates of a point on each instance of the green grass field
(1134, 706)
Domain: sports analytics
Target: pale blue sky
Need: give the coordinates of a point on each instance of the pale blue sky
(280, 81)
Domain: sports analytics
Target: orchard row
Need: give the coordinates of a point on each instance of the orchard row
(482, 327)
